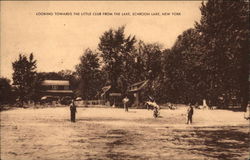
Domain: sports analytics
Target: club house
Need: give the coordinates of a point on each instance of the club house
(57, 89)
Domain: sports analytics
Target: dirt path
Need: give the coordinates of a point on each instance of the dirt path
(109, 133)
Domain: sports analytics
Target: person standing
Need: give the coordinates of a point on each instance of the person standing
(72, 111)
(190, 112)
(125, 101)
(205, 106)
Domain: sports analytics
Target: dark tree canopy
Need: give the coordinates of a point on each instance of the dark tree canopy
(179, 80)
(90, 76)
(116, 50)
(5, 91)
(224, 29)
(24, 76)
(209, 61)
(50, 76)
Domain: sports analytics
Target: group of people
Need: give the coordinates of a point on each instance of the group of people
(190, 111)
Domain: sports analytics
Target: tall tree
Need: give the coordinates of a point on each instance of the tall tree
(24, 76)
(149, 67)
(186, 59)
(224, 29)
(116, 50)
(150, 55)
(90, 76)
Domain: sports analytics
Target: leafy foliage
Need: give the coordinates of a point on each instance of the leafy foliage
(5, 91)
(90, 76)
(24, 77)
(224, 29)
(209, 61)
(50, 76)
(116, 50)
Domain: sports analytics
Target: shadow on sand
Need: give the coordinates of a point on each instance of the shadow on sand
(220, 143)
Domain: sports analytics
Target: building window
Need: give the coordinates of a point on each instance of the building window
(55, 87)
(66, 87)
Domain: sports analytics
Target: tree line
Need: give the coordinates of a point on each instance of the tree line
(209, 61)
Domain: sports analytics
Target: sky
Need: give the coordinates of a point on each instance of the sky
(57, 41)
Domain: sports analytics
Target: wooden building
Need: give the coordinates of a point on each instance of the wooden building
(137, 90)
(56, 88)
(104, 94)
(110, 97)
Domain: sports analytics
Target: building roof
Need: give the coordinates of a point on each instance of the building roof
(137, 86)
(115, 94)
(105, 89)
(138, 83)
(58, 91)
(55, 82)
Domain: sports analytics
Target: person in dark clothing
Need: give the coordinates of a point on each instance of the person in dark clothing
(190, 112)
(73, 111)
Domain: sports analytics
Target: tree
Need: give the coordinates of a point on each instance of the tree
(187, 76)
(66, 74)
(50, 76)
(150, 55)
(24, 77)
(90, 76)
(167, 84)
(116, 51)
(148, 66)
(224, 29)
(71, 76)
(5, 91)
